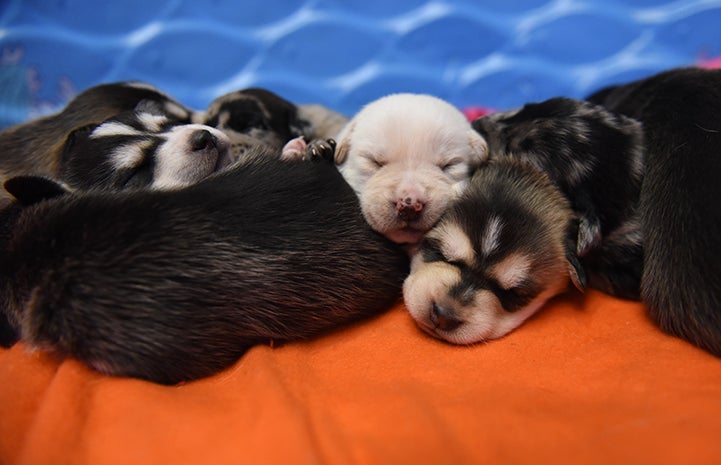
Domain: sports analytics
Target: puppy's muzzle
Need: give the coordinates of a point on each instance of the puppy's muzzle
(443, 318)
(409, 209)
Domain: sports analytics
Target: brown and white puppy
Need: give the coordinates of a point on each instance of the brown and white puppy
(407, 156)
(500, 251)
(34, 147)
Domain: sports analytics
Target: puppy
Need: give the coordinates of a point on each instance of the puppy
(500, 251)
(142, 148)
(596, 158)
(34, 147)
(407, 156)
(174, 285)
(679, 215)
(255, 116)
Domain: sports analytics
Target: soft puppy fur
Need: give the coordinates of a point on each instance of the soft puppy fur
(407, 156)
(500, 251)
(142, 148)
(259, 117)
(35, 147)
(679, 212)
(596, 158)
(174, 285)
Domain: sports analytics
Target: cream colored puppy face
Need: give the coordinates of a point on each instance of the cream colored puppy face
(494, 259)
(407, 156)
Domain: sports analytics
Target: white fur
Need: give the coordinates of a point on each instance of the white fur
(408, 146)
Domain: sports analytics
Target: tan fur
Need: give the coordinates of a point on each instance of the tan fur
(534, 259)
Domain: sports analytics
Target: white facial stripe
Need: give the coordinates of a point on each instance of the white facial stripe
(113, 128)
(492, 235)
(455, 244)
(512, 271)
(151, 122)
(128, 156)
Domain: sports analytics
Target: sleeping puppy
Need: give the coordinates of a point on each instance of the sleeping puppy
(407, 156)
(679, 213)
(142, 148)
(174, 285)
(34, 147)
(558, 201)
(500, 251)
(595, 157)
(255, 116)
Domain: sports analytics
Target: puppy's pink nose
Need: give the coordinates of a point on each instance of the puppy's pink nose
(409, 209)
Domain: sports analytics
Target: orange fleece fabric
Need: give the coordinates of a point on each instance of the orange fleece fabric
(588, 380)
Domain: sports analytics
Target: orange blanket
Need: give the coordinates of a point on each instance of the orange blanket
(589, 380)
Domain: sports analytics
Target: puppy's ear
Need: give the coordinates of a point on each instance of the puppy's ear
(479, 146)
(29, 190)
(576, 271)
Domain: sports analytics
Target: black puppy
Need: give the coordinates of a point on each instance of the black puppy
(595, 158)
(679, 210)
(174, 285)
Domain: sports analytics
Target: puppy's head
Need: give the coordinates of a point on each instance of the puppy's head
(142, 148)
(254, 117)
(407, 156)
(498, 254)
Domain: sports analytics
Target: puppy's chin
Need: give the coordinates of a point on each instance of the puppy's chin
(405, 236)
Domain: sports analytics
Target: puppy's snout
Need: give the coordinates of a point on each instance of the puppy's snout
(443, 318)
(203, 140)
(409, 209)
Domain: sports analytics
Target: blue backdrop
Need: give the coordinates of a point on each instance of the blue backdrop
(497, 54)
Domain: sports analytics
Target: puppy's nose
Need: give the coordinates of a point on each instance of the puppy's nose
(443, 318)
(203, 140)
(409, 209)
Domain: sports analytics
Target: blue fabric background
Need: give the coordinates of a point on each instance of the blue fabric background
(344, 53)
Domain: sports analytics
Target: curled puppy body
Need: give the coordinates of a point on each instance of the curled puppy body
(142, 148)
(679, 213)
(174, 285)
(34, 147)
(407, 156)
(500, 251)
(596, 158)
(255, 116)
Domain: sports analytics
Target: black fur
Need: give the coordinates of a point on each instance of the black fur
(595, 157)
(680, 213)
(174, 285)
(256, 116)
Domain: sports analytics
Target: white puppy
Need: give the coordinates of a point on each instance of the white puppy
(407, 156)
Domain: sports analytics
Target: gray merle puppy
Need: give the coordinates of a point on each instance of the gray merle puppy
(174, 285)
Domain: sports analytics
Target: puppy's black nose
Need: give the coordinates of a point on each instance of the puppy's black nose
(202, 140)
(443, 318)
(409, 209)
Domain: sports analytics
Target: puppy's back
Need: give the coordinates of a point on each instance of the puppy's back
(170, 286)
(680, 210)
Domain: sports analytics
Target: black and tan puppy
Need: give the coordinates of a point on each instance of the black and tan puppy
(500, 251)
(34, 147)
(679, 209)
(595, 157)
(175, 285)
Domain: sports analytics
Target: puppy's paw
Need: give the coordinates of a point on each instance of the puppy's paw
(320, 149)
(317, 149)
